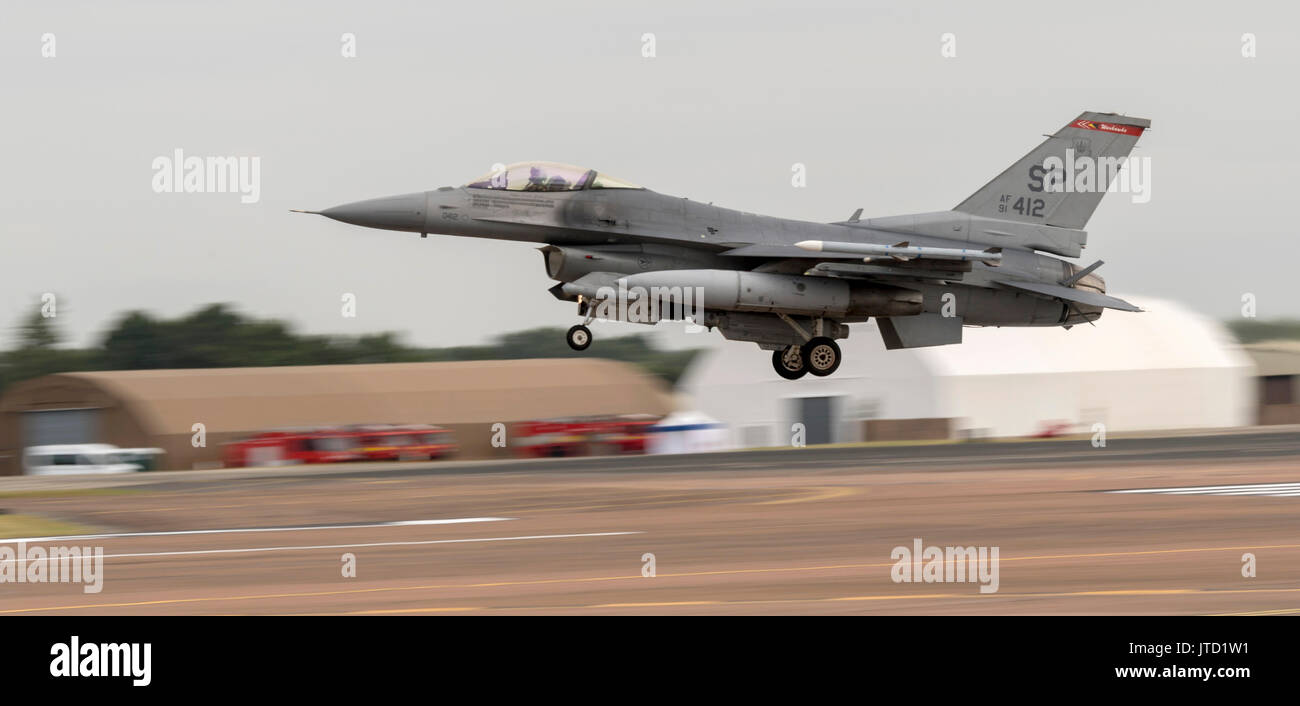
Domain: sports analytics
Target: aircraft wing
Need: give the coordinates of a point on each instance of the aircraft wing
(1070, 294)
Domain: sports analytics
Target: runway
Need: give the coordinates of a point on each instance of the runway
(798, 531)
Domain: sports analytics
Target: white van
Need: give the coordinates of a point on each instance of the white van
(75, 459)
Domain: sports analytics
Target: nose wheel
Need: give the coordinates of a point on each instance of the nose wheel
(578, 337)
(789, 362)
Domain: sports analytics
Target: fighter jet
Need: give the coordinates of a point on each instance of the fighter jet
(621, 251)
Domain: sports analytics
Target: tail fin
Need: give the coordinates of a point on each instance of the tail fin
(1062, 193)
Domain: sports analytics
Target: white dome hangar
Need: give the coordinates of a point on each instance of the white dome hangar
(1166, 368)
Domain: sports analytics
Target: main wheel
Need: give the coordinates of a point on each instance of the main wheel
(789, 363)
(578, 337)
(822, 356)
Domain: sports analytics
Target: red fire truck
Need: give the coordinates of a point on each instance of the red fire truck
(386, 442)
(293, 446)
(404, 442)
(581, 436)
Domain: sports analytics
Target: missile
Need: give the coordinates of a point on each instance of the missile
(904, 251)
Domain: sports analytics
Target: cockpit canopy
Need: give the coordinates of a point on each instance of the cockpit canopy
(547, 176)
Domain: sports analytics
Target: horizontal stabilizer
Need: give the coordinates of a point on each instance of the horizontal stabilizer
(1070, 294)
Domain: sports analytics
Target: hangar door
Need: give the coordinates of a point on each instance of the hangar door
(60, 426)
(818, 415)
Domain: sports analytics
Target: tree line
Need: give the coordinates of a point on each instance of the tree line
(218, 336)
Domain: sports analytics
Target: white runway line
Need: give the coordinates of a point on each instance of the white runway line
(362, 546)
(1276, 490)
(307, 528)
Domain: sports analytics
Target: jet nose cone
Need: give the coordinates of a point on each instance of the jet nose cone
(405, 212)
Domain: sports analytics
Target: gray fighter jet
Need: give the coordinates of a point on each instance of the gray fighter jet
(621, 251)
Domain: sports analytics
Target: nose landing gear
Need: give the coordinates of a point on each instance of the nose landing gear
(578, 337)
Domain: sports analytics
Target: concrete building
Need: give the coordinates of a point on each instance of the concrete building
(159, 408)
(1166, 368)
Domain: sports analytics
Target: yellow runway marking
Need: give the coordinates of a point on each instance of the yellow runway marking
(412, 610)
(637, 502)
(1133, 592)
(1148, 552)
(925, 596)
(120, 512)
(900, 598)
(878, 597)
(720, 572)
(125, 511)
(1279, 611)
(818, 494)
(652, 605)
(633, 502)
(840, 599)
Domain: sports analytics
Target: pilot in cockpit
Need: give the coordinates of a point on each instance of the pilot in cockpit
(538, 180)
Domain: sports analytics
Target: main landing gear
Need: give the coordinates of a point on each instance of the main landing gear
(822, 356)
(788, 362)
(819, 356)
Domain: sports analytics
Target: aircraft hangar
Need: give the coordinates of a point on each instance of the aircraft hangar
(1277, 364)
(159, 408)
(1165, 368)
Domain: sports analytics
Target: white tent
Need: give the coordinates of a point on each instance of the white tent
(687, 432)
(1166, 368)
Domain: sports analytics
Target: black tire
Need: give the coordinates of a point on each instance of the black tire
(822, 356)
(578, 337)
(782, 366)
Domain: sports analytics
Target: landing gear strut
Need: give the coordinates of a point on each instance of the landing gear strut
(789, 362)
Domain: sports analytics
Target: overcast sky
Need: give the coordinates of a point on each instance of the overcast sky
(438, 92)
